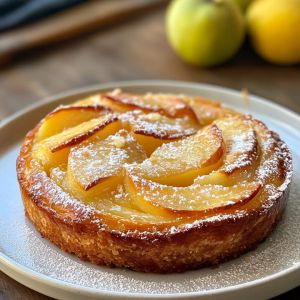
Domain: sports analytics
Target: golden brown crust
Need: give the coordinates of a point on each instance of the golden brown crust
(208, 245)
(162, 248)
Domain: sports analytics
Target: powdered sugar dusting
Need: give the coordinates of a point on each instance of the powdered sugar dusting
(162, 127)
(183, 155)
(24, 245)
(195, 197)
(241, 143)
(92, 161)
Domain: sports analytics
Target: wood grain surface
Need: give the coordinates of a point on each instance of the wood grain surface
(137, 49)
(72, 22)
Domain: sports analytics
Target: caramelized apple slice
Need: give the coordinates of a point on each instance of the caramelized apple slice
(149, 143)
(173, 105)
(179, 163)
(197, 109)
(74, 135)
(153, 129)
(169, 105)
(99, 165)
(68, 116)
(162, 200)
(271, 169)
(54, 150)
(114, 203)
(206, 113)
(118, 101)
(162, 127)
(60, 176)
(241, 155)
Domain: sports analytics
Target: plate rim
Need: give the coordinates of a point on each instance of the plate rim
(29, 274)
(143, 82)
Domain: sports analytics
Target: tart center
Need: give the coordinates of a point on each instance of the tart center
(155, 157)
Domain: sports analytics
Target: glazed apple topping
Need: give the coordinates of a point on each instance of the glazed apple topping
(65, 117)
(79, 133)
(241, 156)
(54, 150)
(158, 157)
(153, 129)
(180, 162)
(92, 162)
(150, 196)
(162, 127)
(166, 104)
(207, 113)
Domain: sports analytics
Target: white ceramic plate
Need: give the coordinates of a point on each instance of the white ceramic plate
(271, 269)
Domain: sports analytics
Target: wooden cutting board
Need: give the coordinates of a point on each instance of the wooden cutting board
(80, 19)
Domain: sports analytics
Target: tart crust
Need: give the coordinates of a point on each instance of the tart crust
(163, 248)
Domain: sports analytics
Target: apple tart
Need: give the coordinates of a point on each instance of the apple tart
(155, 182)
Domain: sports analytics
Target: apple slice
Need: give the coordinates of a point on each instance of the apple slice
(206, 113)
(162, 127)
(74, 135)
(179, 163)
(92, 197)
(241, 155)
(54, 150)
(65, 117)
(272, 169)
(98, 166)
(197, 109)
(166, 104)
(162, 200)
(115, 203)
(153, 129)
(118, 101)
(60, 176)
(173, 105)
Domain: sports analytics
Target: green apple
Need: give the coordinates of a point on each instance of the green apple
(205, 32)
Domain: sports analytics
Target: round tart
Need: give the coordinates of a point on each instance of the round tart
(154, 182)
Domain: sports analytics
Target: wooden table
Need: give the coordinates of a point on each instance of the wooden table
(137, 49)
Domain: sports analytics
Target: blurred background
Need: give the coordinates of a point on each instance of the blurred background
(51, 46)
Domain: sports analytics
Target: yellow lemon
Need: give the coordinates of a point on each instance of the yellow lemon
(205, 32)
(274, 28)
